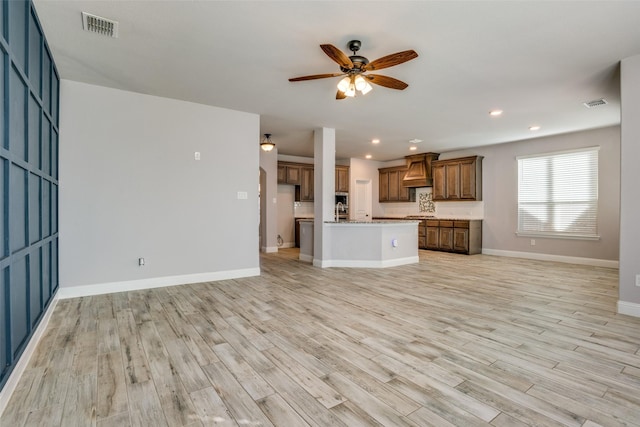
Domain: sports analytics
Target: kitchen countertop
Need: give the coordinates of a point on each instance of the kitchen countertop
(420, 218)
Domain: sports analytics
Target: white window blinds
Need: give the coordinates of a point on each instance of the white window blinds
(558, 194)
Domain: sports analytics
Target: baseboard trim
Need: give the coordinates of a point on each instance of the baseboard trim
(23, 362)
(365, 263)
(558, 258)
(305, 258)
(629, 308)
(269, 249)
(288, 245)
(156, 282)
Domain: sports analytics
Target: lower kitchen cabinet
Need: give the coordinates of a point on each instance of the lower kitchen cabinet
(462, 236)
(422, 234)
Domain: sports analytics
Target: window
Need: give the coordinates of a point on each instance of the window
(558, 194)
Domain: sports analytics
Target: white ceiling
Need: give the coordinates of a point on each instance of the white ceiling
(537, 61)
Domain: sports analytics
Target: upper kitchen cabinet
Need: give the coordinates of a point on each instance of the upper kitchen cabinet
(457, 179)
(289, 173)
(391, 188)
(306, 184)
(342, 179)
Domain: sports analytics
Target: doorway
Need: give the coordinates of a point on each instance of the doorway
(362, 206)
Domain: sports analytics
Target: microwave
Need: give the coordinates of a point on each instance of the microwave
(342, 198)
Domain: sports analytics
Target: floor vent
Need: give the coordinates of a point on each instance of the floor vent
(595, 103)
(99, 25)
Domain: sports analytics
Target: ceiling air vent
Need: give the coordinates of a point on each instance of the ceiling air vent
(595, 103)
(99, 25)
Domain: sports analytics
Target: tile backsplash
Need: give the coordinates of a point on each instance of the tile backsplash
(424, 205)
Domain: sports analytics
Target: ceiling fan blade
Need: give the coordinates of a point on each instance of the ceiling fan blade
(385, 81)
(314, 76)
(337, 55)
(340, 95)
(391, 60)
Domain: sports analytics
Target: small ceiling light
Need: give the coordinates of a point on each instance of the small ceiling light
(413, 148)
(535, 127)
(415, 141)
(368, 156)
(375, 141)
(495, 113)
(267, 144)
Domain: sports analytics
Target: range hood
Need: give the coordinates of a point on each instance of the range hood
(419, 170)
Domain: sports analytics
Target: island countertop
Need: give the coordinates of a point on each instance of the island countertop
(375, 221)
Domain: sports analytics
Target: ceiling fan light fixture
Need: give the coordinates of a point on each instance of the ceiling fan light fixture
(367, 88)
(267, 144)
(361, 83)
(343, 84)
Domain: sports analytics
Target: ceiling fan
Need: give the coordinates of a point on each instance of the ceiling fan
(355, 68)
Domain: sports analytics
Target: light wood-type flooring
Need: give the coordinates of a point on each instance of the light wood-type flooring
(452, 341)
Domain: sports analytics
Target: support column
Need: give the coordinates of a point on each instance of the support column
(629, 292)
(324, 148)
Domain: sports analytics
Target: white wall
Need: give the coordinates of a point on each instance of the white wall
(500, 194)
(286, 221)
(630, 196)
(130, 188)
(268, 200)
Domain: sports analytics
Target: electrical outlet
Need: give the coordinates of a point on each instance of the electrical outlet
(140, 262)
(533, 242)
(242, 195)
(196, 155)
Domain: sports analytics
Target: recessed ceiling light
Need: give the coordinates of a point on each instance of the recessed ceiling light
(413, 148)
(375, 141)
(495, 112)
(415, 141)
(368, 156)
(535, 127)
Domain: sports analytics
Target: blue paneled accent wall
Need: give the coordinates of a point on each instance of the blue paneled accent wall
(28, 179)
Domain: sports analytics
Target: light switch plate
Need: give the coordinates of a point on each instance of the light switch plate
(196, 155)
(242, 195)
(637, 279)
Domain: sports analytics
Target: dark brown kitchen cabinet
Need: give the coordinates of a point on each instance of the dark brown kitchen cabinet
(462, 236)
(342, 179)
(390, 185)
(457, 179)
(433, 235)
(445, 236)
(289, 173)
(422, 234)
(306, 184)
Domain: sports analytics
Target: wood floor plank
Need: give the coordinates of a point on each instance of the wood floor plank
(186, 366)
(279, 411)
(133, 357)
(326, 395)
(80, 402)
(243, 408)
(112, 389)
(176, 403)
(145, 406)
(211, 409)
(251, 380)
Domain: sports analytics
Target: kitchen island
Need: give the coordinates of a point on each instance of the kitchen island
(367, 244)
